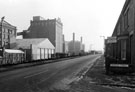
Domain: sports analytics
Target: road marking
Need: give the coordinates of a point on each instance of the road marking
(35, 74)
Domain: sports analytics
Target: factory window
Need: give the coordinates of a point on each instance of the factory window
(9, 31)
(8, 36)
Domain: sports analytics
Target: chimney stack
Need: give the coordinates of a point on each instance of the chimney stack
(73, 36)
(73, 43)
(81, 39)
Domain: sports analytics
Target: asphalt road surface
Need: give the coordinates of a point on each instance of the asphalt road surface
(43, 78)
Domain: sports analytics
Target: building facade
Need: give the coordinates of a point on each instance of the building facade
(50, 28)
(7, 35)
(120, 48)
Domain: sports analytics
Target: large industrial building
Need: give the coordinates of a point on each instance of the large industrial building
(76, 47)
(50, 28)
(7, 35)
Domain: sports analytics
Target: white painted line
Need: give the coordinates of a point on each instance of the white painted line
(35, 74)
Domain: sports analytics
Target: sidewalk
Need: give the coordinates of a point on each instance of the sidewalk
(95, 80)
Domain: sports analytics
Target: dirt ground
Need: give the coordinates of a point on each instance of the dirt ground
(95, 80)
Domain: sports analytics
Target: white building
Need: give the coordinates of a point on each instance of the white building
(36, 48)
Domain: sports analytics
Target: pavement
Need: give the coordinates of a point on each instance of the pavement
(95, 80)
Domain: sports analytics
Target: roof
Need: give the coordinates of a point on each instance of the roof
(7, 24)
(30, 41)
(13, 51)
(25, 43)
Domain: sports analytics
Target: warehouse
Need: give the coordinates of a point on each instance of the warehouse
(36, 48)
(120, 55)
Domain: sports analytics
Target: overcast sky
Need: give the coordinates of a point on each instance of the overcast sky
(87, 18)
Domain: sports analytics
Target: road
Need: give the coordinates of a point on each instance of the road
(43, 78)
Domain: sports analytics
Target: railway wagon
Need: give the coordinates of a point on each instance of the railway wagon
(11, 57)
(117, 54)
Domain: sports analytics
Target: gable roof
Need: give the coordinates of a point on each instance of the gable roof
(7, 24)
(25, 43)
(12, 51)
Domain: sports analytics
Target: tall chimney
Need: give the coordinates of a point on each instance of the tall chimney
(81, 39)
(81, 43)
(73, 43)
(73, 36)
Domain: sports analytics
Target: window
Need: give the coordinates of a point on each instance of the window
(4, 36)
(9, 31)
(123, 49)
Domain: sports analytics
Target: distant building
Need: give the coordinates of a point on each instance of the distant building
(74, 47)
(7, 35)
(65, 47)
(50, 28)
(83, 48)
(35, 49)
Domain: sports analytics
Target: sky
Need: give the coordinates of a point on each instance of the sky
(90, 19)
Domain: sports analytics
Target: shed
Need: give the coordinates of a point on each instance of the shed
(36, 48)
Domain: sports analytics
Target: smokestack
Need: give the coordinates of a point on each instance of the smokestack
(81, 43)
(81, 39)
(73, 36)
(73, 43)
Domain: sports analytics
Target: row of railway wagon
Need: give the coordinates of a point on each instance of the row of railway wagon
(11, 57)
(120, 47)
